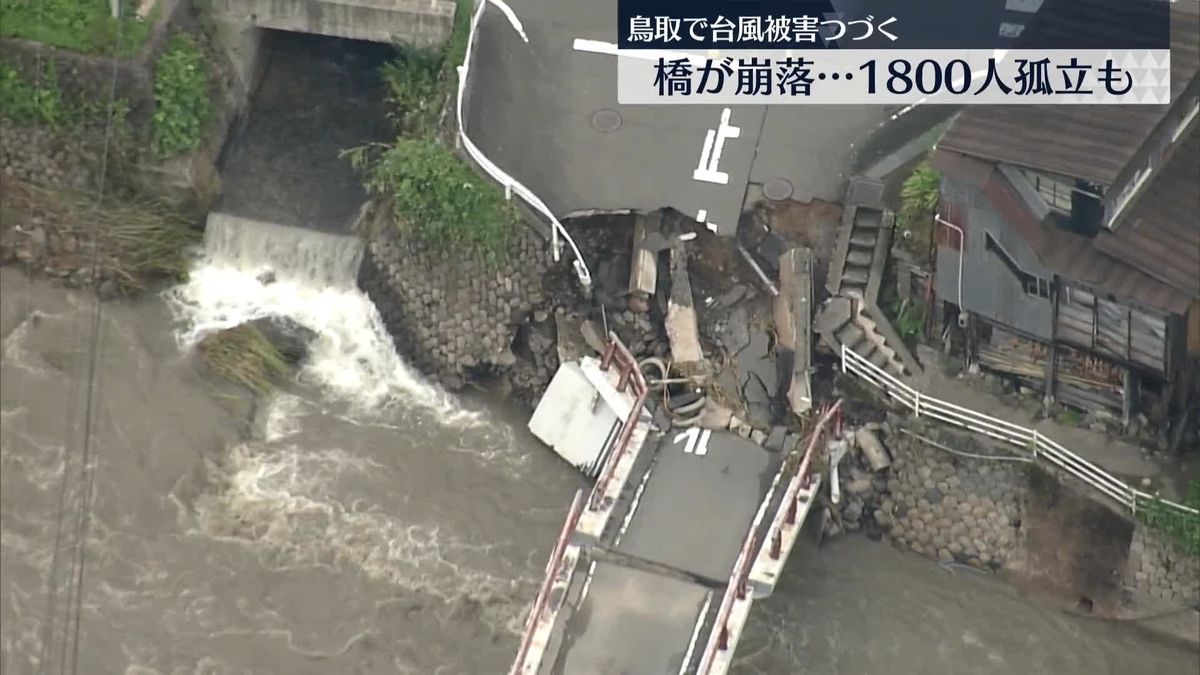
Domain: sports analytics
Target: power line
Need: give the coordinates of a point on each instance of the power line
(86, 486)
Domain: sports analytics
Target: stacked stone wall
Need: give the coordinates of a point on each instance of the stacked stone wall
(937, 503)
(961, 503)
(955, 508)
(41, 156)
(1158, 568)
(453, 315)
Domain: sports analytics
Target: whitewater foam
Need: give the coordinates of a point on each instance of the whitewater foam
(284, 497)
(252, 270)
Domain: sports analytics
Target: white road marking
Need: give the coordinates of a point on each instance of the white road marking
(601, 47)
(512, 18)
(690, 435)
(697, 441)
(714, 145)
(714, 142)
(1024, 6)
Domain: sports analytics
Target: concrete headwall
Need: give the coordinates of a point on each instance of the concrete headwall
(421, 23)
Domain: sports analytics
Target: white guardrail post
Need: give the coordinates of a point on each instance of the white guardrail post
(511, 185)
(916, 403)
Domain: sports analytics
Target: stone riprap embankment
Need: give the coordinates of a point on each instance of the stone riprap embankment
(954, 508)
(455, 316)
(936, 503)
(954, 498)
(1158, 568)
(39, 155)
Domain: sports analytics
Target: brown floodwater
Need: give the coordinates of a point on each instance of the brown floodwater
(363, 521)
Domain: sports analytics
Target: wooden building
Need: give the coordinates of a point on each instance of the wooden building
(1068, 242)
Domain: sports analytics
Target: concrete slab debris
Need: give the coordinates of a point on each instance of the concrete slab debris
(872, 448)
(643, 273)
(682, 330)
(793, 322)
(574, 418)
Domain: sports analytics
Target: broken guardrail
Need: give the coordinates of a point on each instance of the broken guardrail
(630, 376)
(754, 561)
(564, 557)
(554, 571)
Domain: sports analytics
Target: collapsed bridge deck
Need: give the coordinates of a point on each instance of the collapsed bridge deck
(656, 570)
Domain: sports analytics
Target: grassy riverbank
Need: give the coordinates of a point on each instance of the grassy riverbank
(129, 244)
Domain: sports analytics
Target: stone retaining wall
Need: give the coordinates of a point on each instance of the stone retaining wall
(450, 315)
(1159, 569)
(991, 514)
(953, 507)
(41, 156)
(939, 504)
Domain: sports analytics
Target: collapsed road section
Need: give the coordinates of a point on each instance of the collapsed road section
(656, 569)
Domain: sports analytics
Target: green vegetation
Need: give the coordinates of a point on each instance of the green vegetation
(181, 97)
(908, 318)
(79, 25)
(42, 103)
(28, 103)
(1183, 527)
(244, 356)
(436, 196)
(1069, 417)
(415, 91)
(138, 242)
(918, 204)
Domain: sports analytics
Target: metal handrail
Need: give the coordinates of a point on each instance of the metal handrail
(801, 479)
(632, 375)
(1072, 463)
(552, 569)
(718, 639)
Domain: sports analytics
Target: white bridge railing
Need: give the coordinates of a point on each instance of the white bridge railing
(511, 185)
(1042, 448)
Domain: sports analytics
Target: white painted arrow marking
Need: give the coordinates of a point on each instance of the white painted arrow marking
(697, 441)
(691, 436)
(714, 145)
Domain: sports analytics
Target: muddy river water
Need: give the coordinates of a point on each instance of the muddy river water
(374, 525)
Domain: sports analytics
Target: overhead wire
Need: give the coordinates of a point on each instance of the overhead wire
(86, 485)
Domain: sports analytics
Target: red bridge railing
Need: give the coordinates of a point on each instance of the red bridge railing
(631, 377)
(724, 634)
(553, 568)
(830, 422)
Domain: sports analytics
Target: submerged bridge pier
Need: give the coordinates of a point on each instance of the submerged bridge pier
(656, 568)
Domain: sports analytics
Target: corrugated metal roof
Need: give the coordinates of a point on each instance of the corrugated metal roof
(1073, 256)
(1161, 236)
(1092, 142)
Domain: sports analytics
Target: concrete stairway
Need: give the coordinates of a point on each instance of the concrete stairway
(844, 321)
(851, 317)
